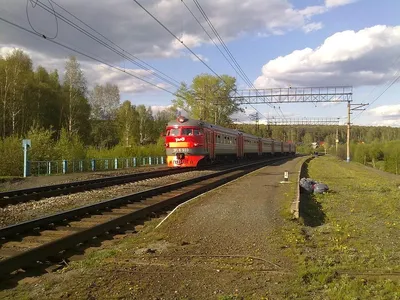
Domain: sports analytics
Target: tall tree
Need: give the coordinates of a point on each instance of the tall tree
(208, 98)
(127, 122)
(145, 124)
(75, 88)
(104, 101)
(161, 119)
(16, 73)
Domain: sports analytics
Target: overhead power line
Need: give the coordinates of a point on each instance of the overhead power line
(178, 39)
(223, 54)
(85, 55)
(377, 98)
(133, 56)
(237, 67)
(120, 52)
(172, 34)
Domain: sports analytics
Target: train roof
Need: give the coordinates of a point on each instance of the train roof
(183, 121)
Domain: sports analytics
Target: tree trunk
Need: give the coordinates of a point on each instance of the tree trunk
(5, 102)
(70, 110)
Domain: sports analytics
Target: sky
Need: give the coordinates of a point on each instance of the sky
(277, 44)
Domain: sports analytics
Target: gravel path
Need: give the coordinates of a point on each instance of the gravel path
(225, 243)
(36, 181)
(13, 214)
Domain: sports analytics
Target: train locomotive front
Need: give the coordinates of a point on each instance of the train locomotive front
(184, 143)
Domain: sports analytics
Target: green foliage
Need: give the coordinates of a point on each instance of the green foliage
(43, 143)
(69, 146)
(11, 154)
(207, 98)
(391, 152)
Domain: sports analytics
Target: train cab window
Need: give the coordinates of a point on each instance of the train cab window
(173, 132)
(197, 132)
(187, 131)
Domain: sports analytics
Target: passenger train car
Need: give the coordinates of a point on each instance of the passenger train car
(190, 143)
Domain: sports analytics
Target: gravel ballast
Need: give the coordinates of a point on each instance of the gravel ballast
(21, 212)
(37, 181)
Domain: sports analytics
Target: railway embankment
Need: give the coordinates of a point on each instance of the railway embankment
(241, 242)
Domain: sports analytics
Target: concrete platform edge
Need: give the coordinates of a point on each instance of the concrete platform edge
(296, 202)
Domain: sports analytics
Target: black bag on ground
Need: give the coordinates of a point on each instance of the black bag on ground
(320, 188)
(307, 184)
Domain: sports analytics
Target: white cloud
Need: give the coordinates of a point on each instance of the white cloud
(157, 108)
(127, 25)
(202, 57)
(365, 57)
(387, 112)
(391, 123)
(312, 27)
(334, 3)
(385, 115)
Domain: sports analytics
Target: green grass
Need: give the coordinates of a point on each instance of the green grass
(349, 240)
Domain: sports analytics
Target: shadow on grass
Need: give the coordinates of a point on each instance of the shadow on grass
(310, 210)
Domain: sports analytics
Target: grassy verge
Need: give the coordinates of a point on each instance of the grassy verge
(349, 239)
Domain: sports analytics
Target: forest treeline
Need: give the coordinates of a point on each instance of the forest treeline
(65, 119)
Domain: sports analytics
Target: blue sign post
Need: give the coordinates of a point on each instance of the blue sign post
(25, 145)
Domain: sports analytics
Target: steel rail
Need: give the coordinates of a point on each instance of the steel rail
(37, 193)
(111, 214)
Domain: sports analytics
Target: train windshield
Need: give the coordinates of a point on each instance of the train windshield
(191, 131)
(173, 132)
(184, 131)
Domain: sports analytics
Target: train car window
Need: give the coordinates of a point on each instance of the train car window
(173, 132)
(187, 131)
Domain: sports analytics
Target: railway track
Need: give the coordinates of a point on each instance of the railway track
(30, 244)
(37, 193)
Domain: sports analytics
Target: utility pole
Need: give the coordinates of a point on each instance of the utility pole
(216, 112)
(348, 131)
(349, 109)
(256, 118)
(337, 138)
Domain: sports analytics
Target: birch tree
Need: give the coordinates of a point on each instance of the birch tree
(75, 88)
(104, 101)
(127, 122)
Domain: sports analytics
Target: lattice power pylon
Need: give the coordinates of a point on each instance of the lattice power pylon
(303, 121)
(301, 95)
(294, 95)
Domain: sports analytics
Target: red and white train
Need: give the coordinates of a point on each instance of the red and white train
(190, 143)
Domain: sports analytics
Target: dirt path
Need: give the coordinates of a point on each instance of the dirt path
(231, 243)
(222, 244)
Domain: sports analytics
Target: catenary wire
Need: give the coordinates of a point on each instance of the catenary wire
(242, 74)
(87, 56)
(98, 40)
(133, 56)
(172, 34)
(34, 3)
(377, 98)
(223, 54)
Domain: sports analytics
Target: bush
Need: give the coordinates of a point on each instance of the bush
(42, 144)
(12, 156)
(70, 147)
